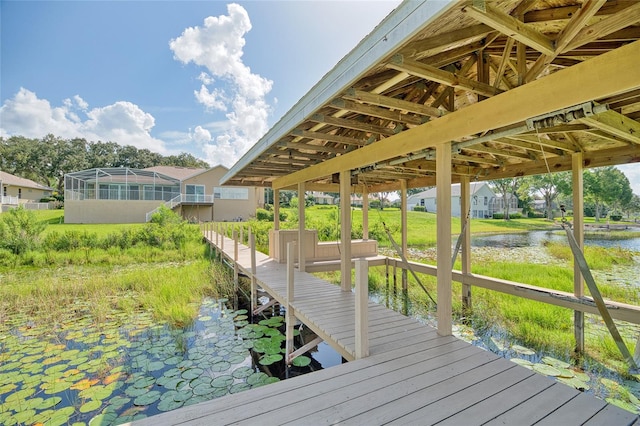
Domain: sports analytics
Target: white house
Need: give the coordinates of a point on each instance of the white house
(17, 191)
(484, 202)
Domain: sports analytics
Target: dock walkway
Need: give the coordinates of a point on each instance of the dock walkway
(412, 376)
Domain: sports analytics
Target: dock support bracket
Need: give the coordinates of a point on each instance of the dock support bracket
(304, 349)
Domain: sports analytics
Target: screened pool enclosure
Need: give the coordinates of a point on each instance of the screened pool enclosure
(121, 183)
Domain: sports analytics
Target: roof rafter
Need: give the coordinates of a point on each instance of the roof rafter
(616, 124)
(441, 76)
(483, 12)
(393, 103)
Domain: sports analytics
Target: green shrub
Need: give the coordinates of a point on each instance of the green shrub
(616, 217)
(264, 215)
(20, 230)
(419, 209)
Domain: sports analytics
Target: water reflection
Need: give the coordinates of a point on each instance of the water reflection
(538, 238)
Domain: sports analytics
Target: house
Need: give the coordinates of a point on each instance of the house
(322, 198)
(125, 195)
(484, 202)
(18, 191)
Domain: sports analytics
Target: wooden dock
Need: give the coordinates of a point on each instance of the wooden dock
(412, 376)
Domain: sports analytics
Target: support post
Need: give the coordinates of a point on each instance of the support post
(222, 237)
(254, 284)
(241, 233)
(290, 319)
(345, 230)
(236, 275)
(365, 213)
(465, 204)
(578, 233)
(443, 223)
(276, 209)
(362, 305)
(301, 227)
(404, 243)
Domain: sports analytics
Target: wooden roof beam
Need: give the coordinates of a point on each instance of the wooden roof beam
(578, 21)
(328, 137)
(352, 124)
(443, 42)
(392, 103)
(317, 148)
(482, 11)
(629, 16)
(373, 111)
(536, 140)
(616, 124)
(441, 76)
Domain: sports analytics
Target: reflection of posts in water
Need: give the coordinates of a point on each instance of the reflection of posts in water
(405, 292)
(236, 274)
(386, 274)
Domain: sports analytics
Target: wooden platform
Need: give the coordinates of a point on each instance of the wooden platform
(413, 376)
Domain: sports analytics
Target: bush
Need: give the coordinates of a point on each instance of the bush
(20, 230)
(264, 215)
(419, 209)
(511, 216)
(535, 215)
(616, 217)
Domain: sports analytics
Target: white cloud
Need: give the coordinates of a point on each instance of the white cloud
(214, 99)
(218, 46)
(201, 135)
(122, 122)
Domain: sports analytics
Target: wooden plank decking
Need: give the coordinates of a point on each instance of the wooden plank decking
(413, 376)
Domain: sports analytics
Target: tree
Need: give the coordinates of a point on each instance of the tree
(607, 187)
(633, 206)
(506, 188)
(549, 186)
(383, 198)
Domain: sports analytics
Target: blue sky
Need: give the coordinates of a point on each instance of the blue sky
(205, 77)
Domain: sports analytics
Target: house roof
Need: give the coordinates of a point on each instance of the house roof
(12, 180)
(181, 173)
(513, 87)
(455, 191)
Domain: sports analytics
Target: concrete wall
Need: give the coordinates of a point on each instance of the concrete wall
(107, 211)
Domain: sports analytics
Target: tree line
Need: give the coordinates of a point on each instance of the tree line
(47, 160)
(606, 191)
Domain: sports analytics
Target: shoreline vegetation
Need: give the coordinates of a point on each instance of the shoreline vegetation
(163, 267)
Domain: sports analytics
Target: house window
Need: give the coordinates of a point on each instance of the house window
(195, 193)
(230, 193)
(486, 200)
(19, 192)
(4, 191)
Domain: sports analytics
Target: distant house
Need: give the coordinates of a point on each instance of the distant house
(322, 198)
(18, 191)
(124, 195)
(484, 202)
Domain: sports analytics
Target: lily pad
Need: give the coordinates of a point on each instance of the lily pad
(147, 399)
(192, 373)
(90, 406)
(49, 403)
(169, 404)
(270, 359)
(522, 350)
(555, 362)
(301, 361)
(547, 370)
(24, 417)
(242, 372)
(222, 381)
(522, 362)
(575, 383)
